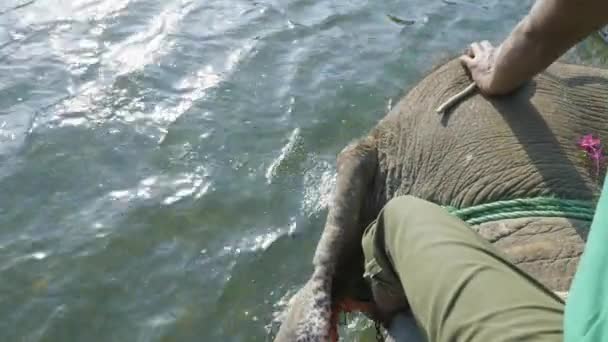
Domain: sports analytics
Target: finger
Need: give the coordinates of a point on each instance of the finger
(486, 45)
(467, 61)
(476, 48)
(468, 52)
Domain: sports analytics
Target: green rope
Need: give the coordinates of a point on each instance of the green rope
(525, 207)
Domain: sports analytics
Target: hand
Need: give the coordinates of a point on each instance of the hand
(480, 59)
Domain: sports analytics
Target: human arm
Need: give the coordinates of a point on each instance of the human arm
(546, 33)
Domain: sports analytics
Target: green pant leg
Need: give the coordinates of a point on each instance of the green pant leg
(459, 287)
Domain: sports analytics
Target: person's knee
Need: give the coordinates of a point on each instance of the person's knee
(405, 203)
(408, 210)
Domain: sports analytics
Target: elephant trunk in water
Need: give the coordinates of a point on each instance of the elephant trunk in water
(314, 309)
(481, 151)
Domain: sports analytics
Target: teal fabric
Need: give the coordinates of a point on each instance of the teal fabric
(586, 314)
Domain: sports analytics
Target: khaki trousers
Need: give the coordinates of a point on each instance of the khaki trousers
(458, 286)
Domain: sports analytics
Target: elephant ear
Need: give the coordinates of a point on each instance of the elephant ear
(309, 314)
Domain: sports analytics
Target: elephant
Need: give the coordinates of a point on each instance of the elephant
(482, 150)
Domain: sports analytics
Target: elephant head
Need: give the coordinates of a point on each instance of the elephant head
(484, 150)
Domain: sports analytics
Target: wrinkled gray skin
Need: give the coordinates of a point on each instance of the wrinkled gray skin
(483, 150)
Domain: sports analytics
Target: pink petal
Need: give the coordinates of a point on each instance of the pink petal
(584, 141)
(589, 143)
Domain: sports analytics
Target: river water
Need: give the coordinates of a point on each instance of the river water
(165, 166)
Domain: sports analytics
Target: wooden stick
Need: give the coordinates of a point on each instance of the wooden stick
(456, 98)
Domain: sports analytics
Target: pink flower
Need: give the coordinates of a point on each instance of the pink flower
(593, 148)
(589, 143)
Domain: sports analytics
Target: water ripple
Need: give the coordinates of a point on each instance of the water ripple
(172, 189)
(41, 13)
(166, 165)
(83, 48)
(194, 88)
(148, 45)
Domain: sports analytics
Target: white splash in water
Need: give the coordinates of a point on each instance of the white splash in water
(39, 255)
(319, 183)
(285, 151)
(161, 320)
(262, 242)
(259, 242)
(120, 194)
(292, 226)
